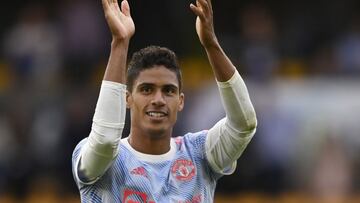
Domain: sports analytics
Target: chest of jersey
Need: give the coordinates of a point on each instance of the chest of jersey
(180, 180)
(183, 177)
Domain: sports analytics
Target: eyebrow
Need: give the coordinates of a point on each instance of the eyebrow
(152, 85)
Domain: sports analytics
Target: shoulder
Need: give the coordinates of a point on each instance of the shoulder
(193, 142)
(196, 138)
(191, 137)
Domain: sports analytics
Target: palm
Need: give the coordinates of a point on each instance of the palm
(119, 21)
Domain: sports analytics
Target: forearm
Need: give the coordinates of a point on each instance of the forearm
(222, 66)
(239, 110)
(116, 67)
(108, 122)
(229, 137)
(233, 91)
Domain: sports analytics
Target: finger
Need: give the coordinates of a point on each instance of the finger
(106, 5)
(110, 5)
(197, 10)
(115, 5)
(125, 8)
(204, 5)
(209, 3)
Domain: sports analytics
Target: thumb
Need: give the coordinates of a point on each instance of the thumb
(125, 8)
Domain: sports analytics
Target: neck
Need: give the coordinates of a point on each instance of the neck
(150, 143)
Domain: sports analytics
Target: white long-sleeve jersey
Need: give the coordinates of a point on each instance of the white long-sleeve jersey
(104, 162)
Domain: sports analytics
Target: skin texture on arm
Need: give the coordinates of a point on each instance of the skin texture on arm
(229, 137)
(109, 118)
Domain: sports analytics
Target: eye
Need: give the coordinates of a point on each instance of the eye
(146, 89)
(170, 90)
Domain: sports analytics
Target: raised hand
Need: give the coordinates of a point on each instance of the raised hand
(204, 22)
(121, 25)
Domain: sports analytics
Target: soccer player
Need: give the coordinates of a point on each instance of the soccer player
(149, 165)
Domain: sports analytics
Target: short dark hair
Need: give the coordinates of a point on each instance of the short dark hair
(149, 57)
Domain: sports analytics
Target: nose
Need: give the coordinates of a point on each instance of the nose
(158, 99)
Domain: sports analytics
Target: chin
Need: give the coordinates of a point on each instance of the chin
(157, 132)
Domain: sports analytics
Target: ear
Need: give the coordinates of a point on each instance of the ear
(129, 99)
(181, 101)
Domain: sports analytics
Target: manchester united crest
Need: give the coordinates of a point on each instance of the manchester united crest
(183, 169)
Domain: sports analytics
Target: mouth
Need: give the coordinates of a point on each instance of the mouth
(156, 114)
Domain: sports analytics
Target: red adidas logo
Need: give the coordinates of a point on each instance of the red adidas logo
(139, 171)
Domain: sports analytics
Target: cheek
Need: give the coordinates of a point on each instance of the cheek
(136, 105)
(139, 107)
(175, 108)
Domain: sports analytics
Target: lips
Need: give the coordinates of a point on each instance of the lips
(156, 114)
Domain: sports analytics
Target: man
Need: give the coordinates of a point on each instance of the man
(149, 165)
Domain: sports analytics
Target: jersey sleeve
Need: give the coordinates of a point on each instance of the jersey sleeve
(79, 180)
(229, 137)
(75, 161)
(102, 145)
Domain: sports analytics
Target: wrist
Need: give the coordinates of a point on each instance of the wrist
(120, 43)
(212, 44)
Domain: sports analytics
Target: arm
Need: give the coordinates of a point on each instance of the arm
(102, 146)
(229, 137)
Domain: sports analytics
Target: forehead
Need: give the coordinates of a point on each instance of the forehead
(158, 75)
